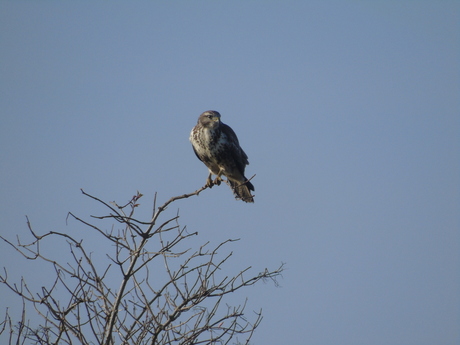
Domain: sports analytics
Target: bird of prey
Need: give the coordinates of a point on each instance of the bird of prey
(217, 146)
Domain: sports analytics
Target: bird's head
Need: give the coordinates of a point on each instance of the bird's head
(210, 119)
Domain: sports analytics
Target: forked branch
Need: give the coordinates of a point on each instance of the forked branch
(150, 290)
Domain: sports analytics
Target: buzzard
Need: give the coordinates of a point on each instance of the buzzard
(217, 146)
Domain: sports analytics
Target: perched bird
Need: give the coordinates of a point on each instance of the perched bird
(217, 146)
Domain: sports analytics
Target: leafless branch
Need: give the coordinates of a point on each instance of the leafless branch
(167, 292)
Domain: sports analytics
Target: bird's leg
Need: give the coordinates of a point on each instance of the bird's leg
(218, 178)
(209, 181)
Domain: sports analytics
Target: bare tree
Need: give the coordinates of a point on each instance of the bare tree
(167, 294)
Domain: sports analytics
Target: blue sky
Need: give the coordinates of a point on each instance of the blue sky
(348, 111)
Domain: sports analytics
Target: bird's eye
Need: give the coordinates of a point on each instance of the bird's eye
(208, 116)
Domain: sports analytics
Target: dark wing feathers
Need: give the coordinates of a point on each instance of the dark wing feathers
(239, 156)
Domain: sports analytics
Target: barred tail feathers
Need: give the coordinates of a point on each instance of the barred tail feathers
(242, 190)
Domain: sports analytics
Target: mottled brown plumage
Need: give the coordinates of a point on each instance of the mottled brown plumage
(217, 146)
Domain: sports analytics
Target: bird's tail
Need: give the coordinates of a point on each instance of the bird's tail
(242, 190)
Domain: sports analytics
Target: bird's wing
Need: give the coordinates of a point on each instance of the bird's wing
(239, 156)
(196, 153)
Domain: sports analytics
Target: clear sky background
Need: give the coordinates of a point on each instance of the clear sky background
(348, 111)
